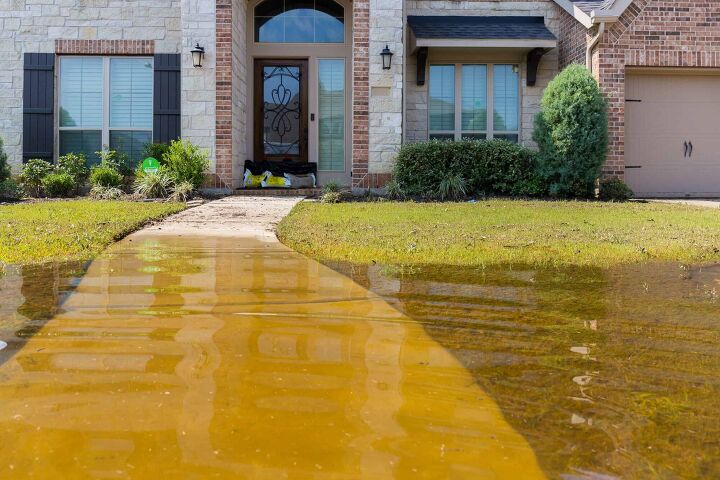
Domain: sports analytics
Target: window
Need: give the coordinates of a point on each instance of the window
(299, 21)
(331, 114)
(105, 101)
(481, 89)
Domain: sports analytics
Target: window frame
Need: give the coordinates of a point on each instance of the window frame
(490, 133)
(105, 129)
(346, 20)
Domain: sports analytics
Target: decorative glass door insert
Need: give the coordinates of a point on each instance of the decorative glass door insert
(281, 110)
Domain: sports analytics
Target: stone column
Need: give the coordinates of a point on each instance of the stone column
(386, 89)
(198, 84)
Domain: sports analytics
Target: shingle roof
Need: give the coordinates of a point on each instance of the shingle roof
(480, 27)
(588, 6)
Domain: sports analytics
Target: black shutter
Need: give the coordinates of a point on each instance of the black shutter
(166, 105)
(38, 106)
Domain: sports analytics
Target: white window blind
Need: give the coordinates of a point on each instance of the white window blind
(331, 117)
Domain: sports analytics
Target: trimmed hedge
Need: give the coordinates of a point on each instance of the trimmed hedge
(494, 167)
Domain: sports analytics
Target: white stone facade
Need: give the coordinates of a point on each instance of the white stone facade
(32, 26)
(416, 128)
(397, 106)
(198, 84)
(386, 92)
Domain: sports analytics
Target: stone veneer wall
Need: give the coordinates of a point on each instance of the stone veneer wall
(417, 96)
(653, 33)
(33, 26)
(198, 84)
(386, 88)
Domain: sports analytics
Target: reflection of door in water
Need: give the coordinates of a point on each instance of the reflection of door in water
(281, 110)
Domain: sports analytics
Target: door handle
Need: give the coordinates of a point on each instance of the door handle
(686, 149)
(691, 149)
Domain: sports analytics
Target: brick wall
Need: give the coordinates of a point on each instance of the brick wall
(223, 93)
(572, 39)
(653, 33)
(361, 91)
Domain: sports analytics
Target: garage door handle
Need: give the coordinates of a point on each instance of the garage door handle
(691, 149)
(686, 149)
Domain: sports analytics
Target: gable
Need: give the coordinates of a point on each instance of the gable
(592, 12)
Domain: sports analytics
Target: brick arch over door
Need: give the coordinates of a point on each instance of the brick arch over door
(229, 11)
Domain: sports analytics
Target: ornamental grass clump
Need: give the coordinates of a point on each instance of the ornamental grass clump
(153, 184)
(571, 131)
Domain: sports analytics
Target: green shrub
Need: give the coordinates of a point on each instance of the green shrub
(186, 162)
(156, 150)
(99, 192)
(59, 184)
(615, 190)
(495, 167)
(153, 184)
(33, 173)
(571, 131)
(4, 167)
(331, 187)
(105, 176)
(11, 190)
(74, 165)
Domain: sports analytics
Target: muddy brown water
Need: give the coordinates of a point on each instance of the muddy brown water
(224, 358)
(606, 373)
(232, 358)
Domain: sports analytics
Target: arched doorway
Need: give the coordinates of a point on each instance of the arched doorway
(300, 53)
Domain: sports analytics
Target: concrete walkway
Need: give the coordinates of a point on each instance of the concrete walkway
(695, 203)
(228, 217)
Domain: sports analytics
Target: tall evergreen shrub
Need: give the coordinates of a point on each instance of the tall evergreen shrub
(571, 131)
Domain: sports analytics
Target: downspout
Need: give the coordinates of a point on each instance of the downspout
(591, 46)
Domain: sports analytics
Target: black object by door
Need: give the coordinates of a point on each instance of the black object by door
(281, 113)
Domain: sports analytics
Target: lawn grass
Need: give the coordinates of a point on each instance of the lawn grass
(70, 230)
(533, 233)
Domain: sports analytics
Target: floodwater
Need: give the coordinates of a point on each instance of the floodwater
(606, 373)
(209, 358)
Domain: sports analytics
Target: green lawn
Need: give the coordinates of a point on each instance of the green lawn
(503, 231)
(71, 230)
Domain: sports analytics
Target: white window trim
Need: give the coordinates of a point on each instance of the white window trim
(490, 133)
(105, 135)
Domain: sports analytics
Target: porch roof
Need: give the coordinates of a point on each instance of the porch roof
(481, 31)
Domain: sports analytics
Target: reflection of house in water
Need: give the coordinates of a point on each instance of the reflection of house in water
(213, 357)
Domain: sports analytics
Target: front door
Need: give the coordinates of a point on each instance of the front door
(281, 110)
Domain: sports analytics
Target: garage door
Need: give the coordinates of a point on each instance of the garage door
(672, 135)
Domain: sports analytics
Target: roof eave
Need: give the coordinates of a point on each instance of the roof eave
(576, 12)
(597, 16)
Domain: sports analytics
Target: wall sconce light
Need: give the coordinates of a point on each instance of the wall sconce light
(198, 55)
(386, 55)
